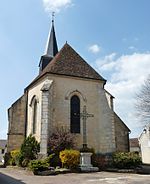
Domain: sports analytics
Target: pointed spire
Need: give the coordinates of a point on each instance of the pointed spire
(51, 47)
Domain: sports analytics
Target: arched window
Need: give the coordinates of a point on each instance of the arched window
(34, 116)
(75, 114)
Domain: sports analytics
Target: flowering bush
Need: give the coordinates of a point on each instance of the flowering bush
(14, 156)
(70, 158)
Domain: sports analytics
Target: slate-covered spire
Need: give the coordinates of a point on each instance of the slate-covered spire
(51, 48)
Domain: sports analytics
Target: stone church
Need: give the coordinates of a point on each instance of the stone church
(64, 94)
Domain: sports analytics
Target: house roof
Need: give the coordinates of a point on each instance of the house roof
(134, 142)
(68, 62)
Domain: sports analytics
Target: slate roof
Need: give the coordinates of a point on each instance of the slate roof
(68, 62)
(52, 48)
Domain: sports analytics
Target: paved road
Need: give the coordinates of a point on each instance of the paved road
(5, 179)
(15, 176)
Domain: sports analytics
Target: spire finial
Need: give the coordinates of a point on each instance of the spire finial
(53, 15)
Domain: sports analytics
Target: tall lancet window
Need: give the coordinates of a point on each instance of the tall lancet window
(34, 116)
(75, 114)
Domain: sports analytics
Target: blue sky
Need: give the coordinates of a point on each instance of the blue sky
(111, 35)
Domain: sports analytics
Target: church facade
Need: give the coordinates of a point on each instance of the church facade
(65, 86)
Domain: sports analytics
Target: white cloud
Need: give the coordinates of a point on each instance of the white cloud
(56, 5)
(127, 74)
(106, 63)
(94, 48)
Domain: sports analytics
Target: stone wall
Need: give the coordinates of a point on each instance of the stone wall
(100, 128)
(121, 135)
(35, 91)
(16, 129)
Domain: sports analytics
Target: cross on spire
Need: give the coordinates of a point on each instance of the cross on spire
(53, 15)
(51, 47)
(84, 115)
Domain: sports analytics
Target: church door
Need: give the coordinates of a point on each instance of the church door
(75, 114)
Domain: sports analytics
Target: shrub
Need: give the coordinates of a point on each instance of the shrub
(38, 165)
(30, 148)
(14, 156)
(49, 158)
(54, 160)
(70, 158)
(126, 160)
(60, 139)
(25, 162)
(7, 158)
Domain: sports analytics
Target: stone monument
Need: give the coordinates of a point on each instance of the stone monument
(85, 157)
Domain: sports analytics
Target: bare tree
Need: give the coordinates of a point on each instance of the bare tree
(143, 102)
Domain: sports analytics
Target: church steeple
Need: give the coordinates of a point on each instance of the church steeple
(51, 48)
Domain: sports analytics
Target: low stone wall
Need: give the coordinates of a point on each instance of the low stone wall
(102, 161)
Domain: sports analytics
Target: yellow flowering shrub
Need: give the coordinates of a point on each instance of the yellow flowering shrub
(70, 158)
(13, 157)
(14, 153)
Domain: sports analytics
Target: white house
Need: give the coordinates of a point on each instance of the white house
(144, 141)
